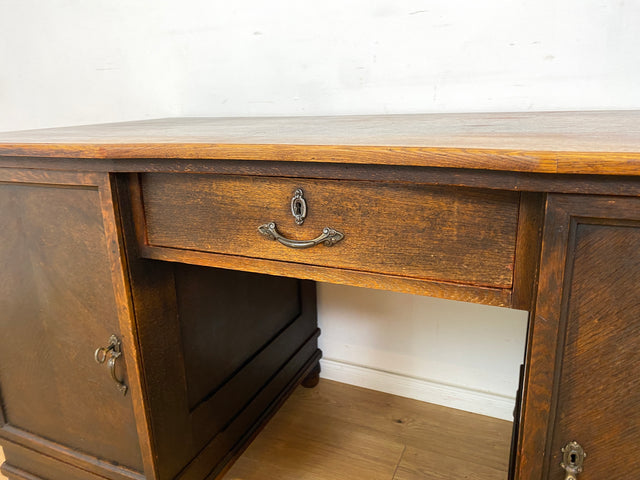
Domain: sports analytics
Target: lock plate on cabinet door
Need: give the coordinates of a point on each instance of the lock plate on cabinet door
(572, 460)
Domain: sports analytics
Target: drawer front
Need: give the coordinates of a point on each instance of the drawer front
(446, 234)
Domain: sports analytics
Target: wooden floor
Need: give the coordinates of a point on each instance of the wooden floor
(341, 432)
(2, 477)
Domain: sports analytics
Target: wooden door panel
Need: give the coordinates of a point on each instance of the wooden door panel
(57, 306)
(598, 395)
(215, 305)
(584, 366)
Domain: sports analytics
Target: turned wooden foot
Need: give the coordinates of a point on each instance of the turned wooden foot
(312, 379)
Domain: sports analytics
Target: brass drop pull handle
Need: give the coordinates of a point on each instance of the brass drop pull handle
(329, 237)
(113, 351)
(572, 459)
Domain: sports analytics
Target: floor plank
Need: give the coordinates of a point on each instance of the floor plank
(337, 431)
(2, 477)
(428, 465)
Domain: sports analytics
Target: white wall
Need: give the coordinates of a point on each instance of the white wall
(66, 62)
(456, 354)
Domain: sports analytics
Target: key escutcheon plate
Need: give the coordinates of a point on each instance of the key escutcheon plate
(572, 460)
(299, 206)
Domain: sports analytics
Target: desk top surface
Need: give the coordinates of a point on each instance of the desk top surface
(599, 142)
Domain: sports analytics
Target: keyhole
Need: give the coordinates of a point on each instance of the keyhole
(573, 458)
(298, 206)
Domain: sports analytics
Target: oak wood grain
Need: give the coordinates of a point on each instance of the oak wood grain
(218, 327)
(55, 259)
(26, 464)
(233, 344)
(529, 239)
(460, 177)
(121, 286)
(600, 354)
(101, 185)
(41, 447)
(585, 308)
(338, 431)
(547, 142)
(438, 233)
(542, 342)
(581, 383)
(499, 297)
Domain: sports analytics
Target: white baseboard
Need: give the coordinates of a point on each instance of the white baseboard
(460, 398)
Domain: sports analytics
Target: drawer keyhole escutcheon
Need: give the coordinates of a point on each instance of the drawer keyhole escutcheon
(113, 351)
(572, 460)
(299, 206)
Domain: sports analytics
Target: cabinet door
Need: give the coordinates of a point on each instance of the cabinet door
(57, 305)
(584, 364)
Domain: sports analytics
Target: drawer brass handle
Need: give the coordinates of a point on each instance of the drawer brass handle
(113, 351)
(572, 459)
(329, 237)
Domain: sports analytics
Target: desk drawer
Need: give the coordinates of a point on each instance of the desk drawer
(448, 234)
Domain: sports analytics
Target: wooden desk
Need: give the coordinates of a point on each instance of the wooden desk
(149, 241)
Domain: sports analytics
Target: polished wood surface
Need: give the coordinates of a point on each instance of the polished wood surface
(341, 432)
(604, 143)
